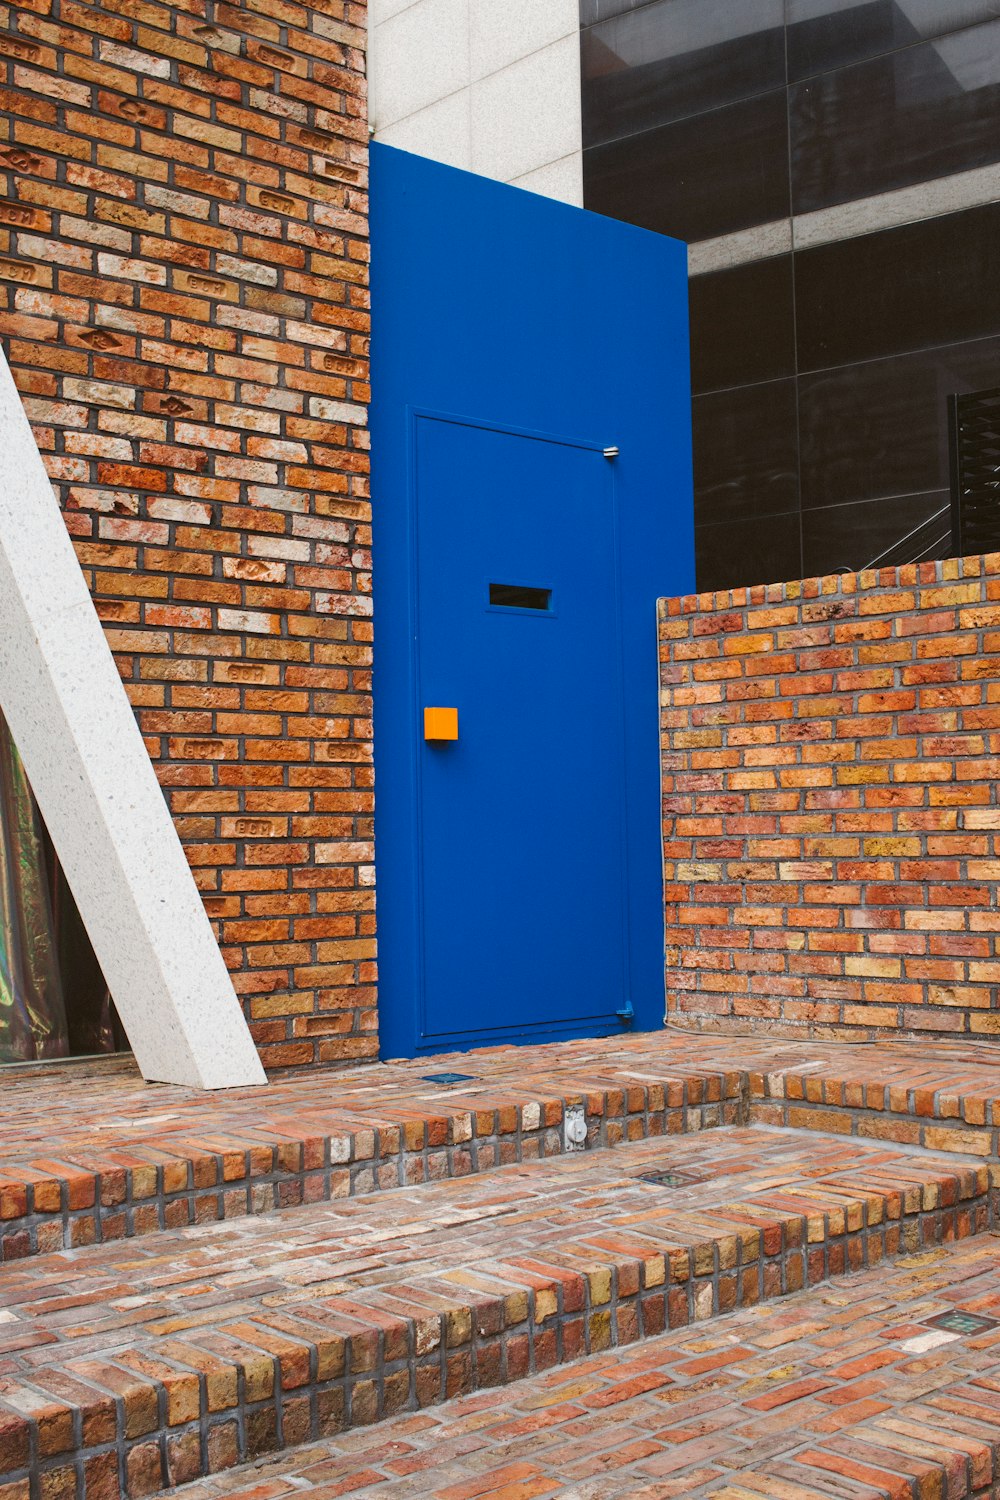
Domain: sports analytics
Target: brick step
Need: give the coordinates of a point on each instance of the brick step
(151, 1361)
(937, 1106)
(92, 1154)
(843, 1391)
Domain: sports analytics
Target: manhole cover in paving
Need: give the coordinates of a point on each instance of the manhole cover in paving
(961, 1322)
(449, 1078)
(671, 1177)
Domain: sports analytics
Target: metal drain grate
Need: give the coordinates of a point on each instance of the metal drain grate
(672, 1177)
(449, 1078)
(961, 1322)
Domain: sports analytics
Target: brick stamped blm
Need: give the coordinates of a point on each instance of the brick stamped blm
(159, 1359)
(90, 1152)
(826, 1396)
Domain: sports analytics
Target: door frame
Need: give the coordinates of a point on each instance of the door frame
(425, 1041)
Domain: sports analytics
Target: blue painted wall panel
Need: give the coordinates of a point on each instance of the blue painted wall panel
(523, 314)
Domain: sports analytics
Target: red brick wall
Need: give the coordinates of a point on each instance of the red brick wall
(830, 753)
(183, 251)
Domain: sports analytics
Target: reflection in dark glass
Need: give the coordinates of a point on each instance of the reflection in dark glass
(745, 460)
(764, 550)
(880, 533)
(742, 326)
(880, 428)
(853, 303)
(700, 177)
(675, 58)
(921, 113)
(825, 34)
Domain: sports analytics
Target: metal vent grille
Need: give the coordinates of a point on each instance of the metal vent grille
(975, 472)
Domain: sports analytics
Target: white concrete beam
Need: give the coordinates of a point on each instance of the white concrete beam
(89, 769)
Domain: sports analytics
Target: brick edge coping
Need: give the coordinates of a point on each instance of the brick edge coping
(834, 586)
(149, 1424)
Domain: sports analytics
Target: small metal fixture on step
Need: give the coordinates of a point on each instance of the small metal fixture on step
(961, 1322)
(574, 1128)
(611, 452)
(671, 1177)
(449, 1078)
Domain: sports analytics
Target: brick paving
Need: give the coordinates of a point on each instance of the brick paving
(842, 1391)
(193, 1349)
(93, 1153)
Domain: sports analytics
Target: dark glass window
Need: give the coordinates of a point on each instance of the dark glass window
(745, 459)
(821, 376)
(742, 324)
(675, 58)
(935, 282)
(762, 550)
(699, 177)
(915, 115)
(824, 34)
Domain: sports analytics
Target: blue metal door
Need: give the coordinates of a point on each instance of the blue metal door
(516, 573)
(523, 917)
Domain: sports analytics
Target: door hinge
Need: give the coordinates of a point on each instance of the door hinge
(626, 1014)
(611, 452)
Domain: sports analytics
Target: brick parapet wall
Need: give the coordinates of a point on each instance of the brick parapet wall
(830, 759)
(183, 252)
